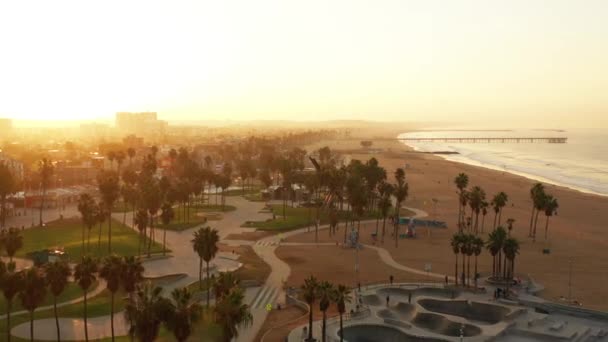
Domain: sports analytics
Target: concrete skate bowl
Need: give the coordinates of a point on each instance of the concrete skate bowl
(474, 311)
(376, 333)
(372, 300)
(401, 311)
(423, 291)
(441, 325)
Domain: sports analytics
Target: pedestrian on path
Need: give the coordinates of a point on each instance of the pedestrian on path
(387, 300)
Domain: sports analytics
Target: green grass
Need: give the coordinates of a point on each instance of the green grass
(256, 197)
(72, 291)
(193, 216)
(296, 218)
(239, 192)
(67, 233)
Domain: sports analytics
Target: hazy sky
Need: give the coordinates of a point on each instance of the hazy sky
(538, 61)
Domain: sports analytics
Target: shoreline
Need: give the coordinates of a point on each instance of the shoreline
(530, 176)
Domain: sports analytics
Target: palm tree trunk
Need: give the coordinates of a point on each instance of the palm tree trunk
(86, 328)
(323, 334)
(483, 222)
(9, 304)
(208, 285)
(110, 232)
(42, 204)
(504, 271)
(112, 315)
(151, 234)
(468, 270)
(82, 248)
(99, 239)
(475, 275)
(535, 222)
(383, 228)
(546, 227)
(164, 241)
(499, 264)
(200, 274)
(493, 265)
(531, 221)
(31, 326)
(499, 216)
(495, 218)
(56, 318)
(463, 281)
(341, 329)
(456, 271)
(309, 322)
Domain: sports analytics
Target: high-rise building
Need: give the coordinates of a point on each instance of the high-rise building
(142, 124)
(6, 126)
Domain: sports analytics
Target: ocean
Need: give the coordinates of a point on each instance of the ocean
(581, 163)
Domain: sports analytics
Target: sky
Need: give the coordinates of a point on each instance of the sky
(511, 62)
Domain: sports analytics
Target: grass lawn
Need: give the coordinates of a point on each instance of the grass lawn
(256, 197)
(239, 192)
(67, 233)
(297, 218)
(194, 216)
(72, 291)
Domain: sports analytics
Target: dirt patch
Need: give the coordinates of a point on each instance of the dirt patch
(254, 268)
(279, 323)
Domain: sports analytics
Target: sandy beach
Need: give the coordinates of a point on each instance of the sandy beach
(577, 235)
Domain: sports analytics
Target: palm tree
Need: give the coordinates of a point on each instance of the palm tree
(130, 154)
(111, 271)
(309, 293)
(539, 205)
(132, 274)
(537, 191)
(477, 248)
(550, 209)
(110, 190)
(498, 202)
(141, 222)
(456, 242)
(32, 293)
(341, 296)
(484, 212)
(231, 313)
(511, 249)
(45, 170)
(102, 216)
(385, 204)
(465, 250)
(325, 292)
(224, 283)
(461, 181)
(510, 222)
(85, 276)
(495, 243)
(476, 199)
(166, 216)
(88, 212)
(11, 283)
(8, 186)
(183, 313)
(111, 156)
(12, 241)
(145, 312)
(400, 193)
(57, 274)
(204, 244)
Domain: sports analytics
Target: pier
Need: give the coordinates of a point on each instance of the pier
(472, 140)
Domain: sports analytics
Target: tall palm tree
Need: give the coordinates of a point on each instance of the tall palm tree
(309, 293)
(477, 248)
(495, 244)
(456, 242)
(231, 313)
(550, 209)
(325, 293)
(498, 203)
(85, 276)
(510, 222)
(11, 283)
(141, 222)
(57, 274)
(511, 249)
(400, 193)
(32, 293)
(465, 250)
(111, 271)
(45, 170)
(87, 209)
(132, 274)
(204, 244)
(477, 197)
(131, 154)
(166, 216)
(385, 204)
(484, 212)
(109, 188)
(12, 240)
(341, 296)
(145, 312)
(183, 313)
(539, 205)
(537, 191)
(8, 186)
(461, 181)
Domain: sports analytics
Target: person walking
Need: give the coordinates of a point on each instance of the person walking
(388, 298)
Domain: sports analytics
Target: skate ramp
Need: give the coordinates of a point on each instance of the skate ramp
(423, 291)
(441, 325)
(475, 311)
(372, 300)
(377, 333)
(401, 311)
